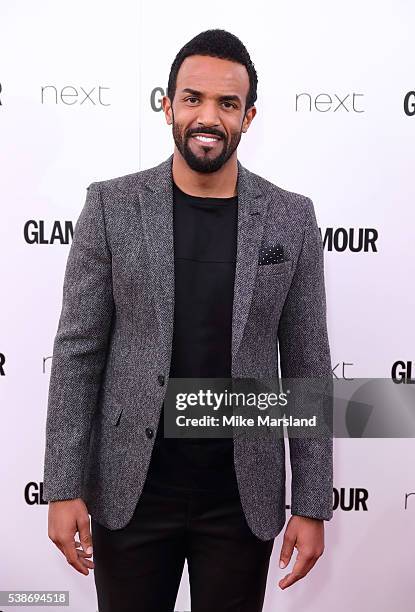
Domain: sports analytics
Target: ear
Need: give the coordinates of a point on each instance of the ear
(167, 108)
(249, 115)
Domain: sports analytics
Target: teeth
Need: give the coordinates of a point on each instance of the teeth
(206, 139)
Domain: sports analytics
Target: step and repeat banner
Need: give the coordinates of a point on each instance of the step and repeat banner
(80, 101)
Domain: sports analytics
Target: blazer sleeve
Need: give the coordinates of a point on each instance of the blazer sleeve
(305, 354)
(79, 352)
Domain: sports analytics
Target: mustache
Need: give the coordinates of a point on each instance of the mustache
(211, 131)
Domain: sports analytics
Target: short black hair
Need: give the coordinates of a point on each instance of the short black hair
(223, 45)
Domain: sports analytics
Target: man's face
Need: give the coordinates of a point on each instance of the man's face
(208, 111)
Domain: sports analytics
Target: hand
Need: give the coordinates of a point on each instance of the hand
(307, 536)
(65, 519)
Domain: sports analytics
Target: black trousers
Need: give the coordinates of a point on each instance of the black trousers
(138, 568)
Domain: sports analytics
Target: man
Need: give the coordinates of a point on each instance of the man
(194, 268)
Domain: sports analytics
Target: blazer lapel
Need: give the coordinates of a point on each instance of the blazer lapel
(252, 209)
(156, 207)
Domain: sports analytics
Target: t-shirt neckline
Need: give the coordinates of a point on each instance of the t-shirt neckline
(204, 199)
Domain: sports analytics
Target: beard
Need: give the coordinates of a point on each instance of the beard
(207, 160)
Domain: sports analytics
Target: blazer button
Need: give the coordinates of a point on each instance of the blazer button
(149, 432)
(161, 379)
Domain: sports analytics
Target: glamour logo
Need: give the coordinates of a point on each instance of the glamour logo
(409, 104)
(35, 233)
(350, 499)
(324, 102)
(33, 494)
(402, 373)
(407, 496)
(70, 95)
(350, 239)
(156, 96)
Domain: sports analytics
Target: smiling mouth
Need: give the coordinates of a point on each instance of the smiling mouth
(206, 139)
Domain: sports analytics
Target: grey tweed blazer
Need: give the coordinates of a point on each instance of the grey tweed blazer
(114, 340)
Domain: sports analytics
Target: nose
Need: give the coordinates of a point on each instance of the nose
(208, 115)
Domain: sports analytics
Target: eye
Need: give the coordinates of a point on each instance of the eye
(191, 98)
(231, 104)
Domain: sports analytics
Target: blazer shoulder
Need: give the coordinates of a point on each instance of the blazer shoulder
(296, 205)
(125, 184)
(291, 198)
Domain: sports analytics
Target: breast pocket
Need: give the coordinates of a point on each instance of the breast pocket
(275, 269)
(271, 286)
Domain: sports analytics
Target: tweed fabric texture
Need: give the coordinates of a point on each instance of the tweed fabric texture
(114, 339)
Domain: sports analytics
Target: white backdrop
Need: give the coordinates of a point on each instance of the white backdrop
(77, 81)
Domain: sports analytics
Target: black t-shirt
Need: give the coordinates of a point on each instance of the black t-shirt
(205, 239)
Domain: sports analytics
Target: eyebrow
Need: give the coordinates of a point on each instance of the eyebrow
(195, 92)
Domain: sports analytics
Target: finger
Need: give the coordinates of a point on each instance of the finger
(303, 563)
(71, 555)
(84, 531)
(82, 554)
(80, 551)
(286, 549)
(88, 563)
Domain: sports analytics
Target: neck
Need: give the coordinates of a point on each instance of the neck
(219, 184)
